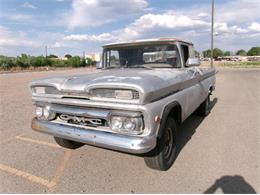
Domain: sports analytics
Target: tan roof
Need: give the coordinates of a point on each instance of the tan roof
(145, 42)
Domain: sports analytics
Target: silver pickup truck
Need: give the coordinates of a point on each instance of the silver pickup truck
(134, 102)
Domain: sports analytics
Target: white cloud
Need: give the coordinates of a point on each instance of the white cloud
(18, 17)
(195, 28)
(222, 27)
(168, 20)
(255, 27)
(102, 37)
(16, 42)
(139, 27)
(238, 11)
(9, 38)
(236, 22)
(28, 5)
(87, 13)
(145, 23)
(203, 15)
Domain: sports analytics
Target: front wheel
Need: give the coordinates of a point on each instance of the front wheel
(67, 143)
(163, 156)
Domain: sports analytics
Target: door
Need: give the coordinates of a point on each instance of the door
(194, 88)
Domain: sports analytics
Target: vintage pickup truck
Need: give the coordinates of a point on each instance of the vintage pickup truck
(133, 103)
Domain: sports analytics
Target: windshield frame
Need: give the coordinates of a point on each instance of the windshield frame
(106, 60)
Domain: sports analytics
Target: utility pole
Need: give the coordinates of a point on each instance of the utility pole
(46, 51)
(212, 33)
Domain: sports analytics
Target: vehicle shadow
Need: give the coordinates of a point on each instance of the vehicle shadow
(188, 128)
(231, 185)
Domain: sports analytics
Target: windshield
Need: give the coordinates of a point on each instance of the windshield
(152, 56)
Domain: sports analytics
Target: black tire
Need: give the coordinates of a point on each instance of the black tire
(163, 156)
(204, 108)
(67, 143)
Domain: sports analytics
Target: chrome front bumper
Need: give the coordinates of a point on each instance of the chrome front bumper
(124, 143)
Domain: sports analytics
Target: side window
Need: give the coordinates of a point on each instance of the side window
(192, 52)
(185, 53)
(111, 58)
(114, 58)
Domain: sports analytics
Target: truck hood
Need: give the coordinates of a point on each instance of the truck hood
(150, 83)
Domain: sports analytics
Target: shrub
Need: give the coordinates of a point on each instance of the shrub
(254, 51)
(7, 63)
(23, 61)
(39, 61)
(58, 63)
(74, 61)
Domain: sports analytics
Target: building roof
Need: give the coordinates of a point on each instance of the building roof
(145, 42)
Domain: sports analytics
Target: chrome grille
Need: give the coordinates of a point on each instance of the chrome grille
(82, 120)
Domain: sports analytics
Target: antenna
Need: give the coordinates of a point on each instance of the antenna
(212, 32)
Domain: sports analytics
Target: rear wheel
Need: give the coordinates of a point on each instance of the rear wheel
(204, 108)
(163, 156)
(67, 143)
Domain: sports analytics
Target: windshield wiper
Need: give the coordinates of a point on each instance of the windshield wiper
(139, 66)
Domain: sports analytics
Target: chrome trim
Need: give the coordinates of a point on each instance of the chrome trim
(92, 104)
(77, 111)
(81, 119)
(129, 144)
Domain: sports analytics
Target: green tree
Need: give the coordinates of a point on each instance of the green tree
(68, 56)
(74, 61)
(206, 53)
(52, 56)
(83, 62)
(217, 53)
(241, 52)
(254, 51)
(42, 61)
(58, 63)
(227, 53)
(89, 61)
(23, 61)
(7, 63)
(39, 61)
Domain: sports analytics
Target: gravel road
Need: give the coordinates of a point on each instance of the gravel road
(219, 153)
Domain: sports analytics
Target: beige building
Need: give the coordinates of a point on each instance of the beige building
(94, 56)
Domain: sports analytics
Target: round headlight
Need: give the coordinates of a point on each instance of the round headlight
(116, 123)
(39, 112)
(129, 124)
(48, 114)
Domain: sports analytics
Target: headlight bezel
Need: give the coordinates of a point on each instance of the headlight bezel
(44, 90)
(44, 113)
(115, 94)
(137, 120)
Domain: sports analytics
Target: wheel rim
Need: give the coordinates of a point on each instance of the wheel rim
(169, 143)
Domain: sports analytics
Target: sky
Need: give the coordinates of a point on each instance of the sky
(74, 26)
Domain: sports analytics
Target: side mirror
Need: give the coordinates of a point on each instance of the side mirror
(192, 62)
